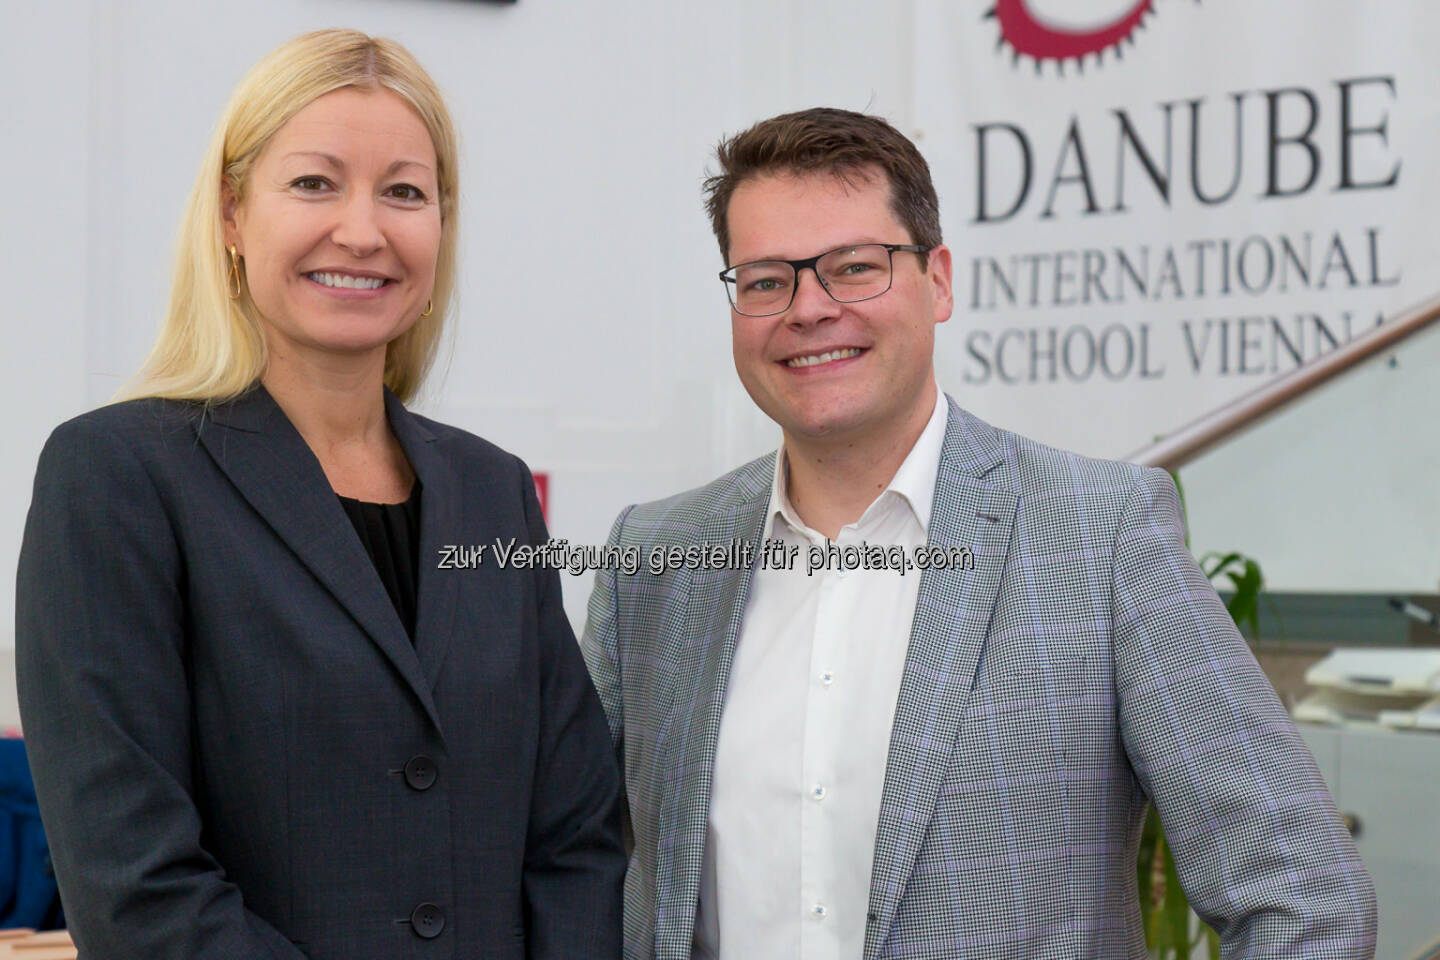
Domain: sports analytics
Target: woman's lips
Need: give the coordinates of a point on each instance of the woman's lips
(347, 286)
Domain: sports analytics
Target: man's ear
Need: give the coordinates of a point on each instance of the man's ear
(939, 268)
(231, 215)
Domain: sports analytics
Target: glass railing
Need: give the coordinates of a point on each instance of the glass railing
(1329, 478)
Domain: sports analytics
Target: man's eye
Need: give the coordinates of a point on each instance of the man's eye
(404, 191)
(765, 285)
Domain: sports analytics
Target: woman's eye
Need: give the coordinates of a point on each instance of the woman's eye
(309, 184)
(404, 191)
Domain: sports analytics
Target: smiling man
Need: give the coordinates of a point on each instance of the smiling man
(940, 763)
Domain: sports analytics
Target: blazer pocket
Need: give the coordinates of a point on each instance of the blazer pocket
(1027, 686)
(1007, 692)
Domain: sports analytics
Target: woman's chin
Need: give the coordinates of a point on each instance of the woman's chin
(349, 340)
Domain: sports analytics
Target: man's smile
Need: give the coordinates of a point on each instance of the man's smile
(826, 357)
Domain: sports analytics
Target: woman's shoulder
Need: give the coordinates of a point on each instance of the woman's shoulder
(470, 450)
(130, 428)
(134, 419)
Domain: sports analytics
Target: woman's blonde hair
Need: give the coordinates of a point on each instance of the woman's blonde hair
(212, 347)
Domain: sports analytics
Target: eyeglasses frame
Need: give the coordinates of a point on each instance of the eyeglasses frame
(727, 277)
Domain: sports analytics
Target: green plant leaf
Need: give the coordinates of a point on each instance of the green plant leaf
(1177, 910)
(1244, 605)
(1218, 563)
(1150, 842)
(1247, 584)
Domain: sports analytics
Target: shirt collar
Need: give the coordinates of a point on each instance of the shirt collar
(914, 482)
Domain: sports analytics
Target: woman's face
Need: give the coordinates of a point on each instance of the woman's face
(340, 226)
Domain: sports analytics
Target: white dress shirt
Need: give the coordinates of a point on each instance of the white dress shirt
(805, 732)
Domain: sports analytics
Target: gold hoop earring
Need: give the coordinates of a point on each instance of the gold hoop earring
(233, 280)
(429, 308)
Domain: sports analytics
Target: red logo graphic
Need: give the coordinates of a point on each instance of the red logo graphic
(542, 493)
(1030, 34)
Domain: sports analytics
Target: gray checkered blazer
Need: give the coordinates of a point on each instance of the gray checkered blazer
(1083, 667)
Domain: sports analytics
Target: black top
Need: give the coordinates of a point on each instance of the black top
(391, 535)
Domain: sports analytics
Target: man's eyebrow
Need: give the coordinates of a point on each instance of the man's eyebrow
(862, 242)
(339, 164)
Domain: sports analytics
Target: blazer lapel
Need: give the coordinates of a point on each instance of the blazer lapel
(439, 519)
(952, 618)
(258, 448)
(715, 608)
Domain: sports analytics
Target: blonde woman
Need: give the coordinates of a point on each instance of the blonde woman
(263, 720)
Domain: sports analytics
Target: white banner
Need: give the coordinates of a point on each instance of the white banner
(1156, 205)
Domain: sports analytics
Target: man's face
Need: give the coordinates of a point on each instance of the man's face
(881, 350)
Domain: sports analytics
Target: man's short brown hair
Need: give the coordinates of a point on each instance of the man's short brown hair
(826, 140)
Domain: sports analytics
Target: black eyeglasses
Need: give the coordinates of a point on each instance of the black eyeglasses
(763, 288)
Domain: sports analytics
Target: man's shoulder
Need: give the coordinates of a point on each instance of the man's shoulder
(1035, 464)
(1057, 478)
(704, 511)
(1042, 464)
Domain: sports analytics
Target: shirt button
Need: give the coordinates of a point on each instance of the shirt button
(819, 911)
(827, 678)
(817, 792)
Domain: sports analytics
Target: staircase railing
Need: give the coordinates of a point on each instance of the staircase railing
(1198, 436)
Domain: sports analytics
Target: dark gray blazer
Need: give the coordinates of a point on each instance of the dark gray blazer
(237, 749)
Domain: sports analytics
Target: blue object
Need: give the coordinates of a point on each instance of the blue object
(28, 894)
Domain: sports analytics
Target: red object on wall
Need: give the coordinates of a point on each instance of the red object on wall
(1029, 35)
(542, 490)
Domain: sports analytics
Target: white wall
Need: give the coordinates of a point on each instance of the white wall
(586, 129)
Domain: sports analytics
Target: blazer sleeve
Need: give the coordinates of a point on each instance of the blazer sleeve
(100, 661)
(600, 645)
(601, 642)
(574, 861)
(1259, 847)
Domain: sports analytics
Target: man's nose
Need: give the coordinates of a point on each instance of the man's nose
(812, 303)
